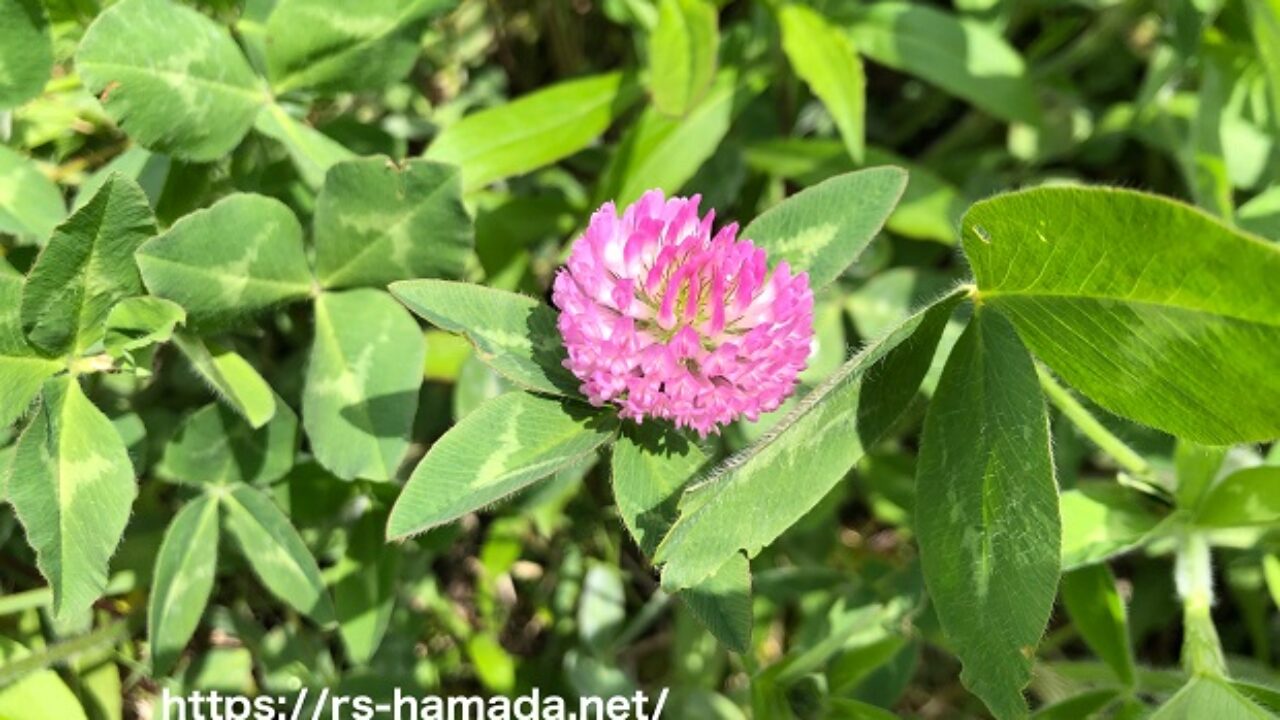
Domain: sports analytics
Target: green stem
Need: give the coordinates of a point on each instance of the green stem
(105, 636)
(1193, 571)
(43, 597)
(1125, 456)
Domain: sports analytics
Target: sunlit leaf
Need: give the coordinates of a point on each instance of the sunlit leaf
(500, 448)
(361, 388)
(1156, 311)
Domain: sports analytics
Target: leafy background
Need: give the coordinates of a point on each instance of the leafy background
(210, 400)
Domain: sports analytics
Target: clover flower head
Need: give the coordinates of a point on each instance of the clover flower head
(667, 320)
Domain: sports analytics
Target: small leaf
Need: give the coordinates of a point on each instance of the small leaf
(30, 204)
(814, 447)
(378, 222)
(232, 378)
(682, 54)
(86, 268)
(534, 130)
(139, 322)
(182, 581)
(364, 591)
(216, 445)
(275, 551)
(963, 57)
(174, 78)
(22, 370)
(1195, 467)
(665, 153)
(333, 45)
(822, 229)
(930, 208)
(514, 334)
(987, 511)
(312, 151)
(501, 447)
(26, 51)
(239, 257)
(1102, 520)
(1243, 498)
(72, 486)
(1156, 311)
(824, 57)
(361, 388)
(1098, 614)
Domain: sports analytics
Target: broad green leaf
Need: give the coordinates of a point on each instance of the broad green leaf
(987, 511)
(22, 370)
(930, 208)
(216, 445)
(139, 322)
(514, 334)
(231, 377)
(240, 256)
(182, 581)
(361, 388)
(312, 151)
(533, 130)
(961, 56)
(1153, 309)
(86, 268)
(822, 229)
(172, 77)
(502, 447)
(30, 203)
(1245, 497)
(813, 447)
(682, 54)
(334, 45)
(652, 464)
(1102, 520)
(378, 222)
(824, 57)
(275, 551)
(1098, 614)
(38, 696)
(364, 591)
(665, 153)
(1209, 697)
(72, 486)
(26, 51)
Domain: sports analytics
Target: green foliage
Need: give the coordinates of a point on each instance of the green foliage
(284, 403)
(987, 510)
(1144, 331)
(682, 54)
(220, 282)
(71, 486)
(174, 78)
(361, 387)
